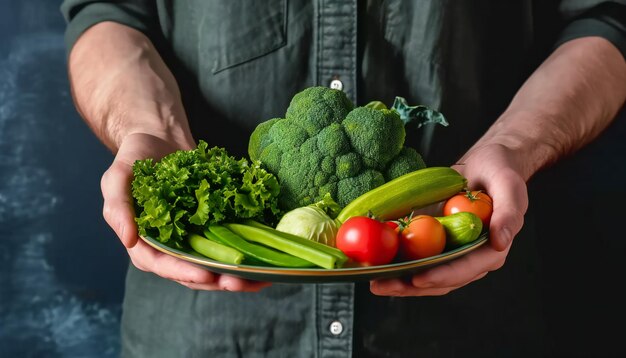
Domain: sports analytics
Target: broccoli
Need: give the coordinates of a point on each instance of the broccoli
(327, 145)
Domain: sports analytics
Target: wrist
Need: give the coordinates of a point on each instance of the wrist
(528, 147)
(121, 86)
(163, 118)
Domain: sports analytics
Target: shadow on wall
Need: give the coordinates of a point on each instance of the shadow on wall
(61, 267)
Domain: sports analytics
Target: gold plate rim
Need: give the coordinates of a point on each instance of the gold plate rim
(320, 272)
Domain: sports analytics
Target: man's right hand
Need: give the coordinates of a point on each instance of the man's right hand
(130, 99)
(118, 211)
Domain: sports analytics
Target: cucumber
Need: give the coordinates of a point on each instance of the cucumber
(400, 196)
(461, 228)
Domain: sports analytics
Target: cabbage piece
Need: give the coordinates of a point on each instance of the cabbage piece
(315, 222)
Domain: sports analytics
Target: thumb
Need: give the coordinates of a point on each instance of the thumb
(510, 202)
(118, 209)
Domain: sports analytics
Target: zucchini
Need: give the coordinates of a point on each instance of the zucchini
(398, 197)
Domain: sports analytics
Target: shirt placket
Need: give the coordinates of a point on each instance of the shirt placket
(335, 315)
(337, 45)
(336, 66)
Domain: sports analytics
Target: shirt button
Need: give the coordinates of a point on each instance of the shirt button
(336, 84)
(336, 328)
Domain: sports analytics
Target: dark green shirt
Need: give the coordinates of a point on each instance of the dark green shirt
(239, 63)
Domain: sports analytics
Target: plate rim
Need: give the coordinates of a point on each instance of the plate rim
(318, 272)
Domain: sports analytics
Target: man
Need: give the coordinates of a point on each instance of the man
(518, 82)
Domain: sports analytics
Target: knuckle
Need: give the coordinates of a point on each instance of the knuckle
(107, 213)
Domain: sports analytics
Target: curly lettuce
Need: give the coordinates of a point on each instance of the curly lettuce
(192, 189)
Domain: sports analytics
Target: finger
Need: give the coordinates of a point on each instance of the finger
(462, 270)
(228, 283)
(231, 283)
(118, 210)
(402, 288)
(199, 286)
(399, 288)
(510, 202)
(146, 258)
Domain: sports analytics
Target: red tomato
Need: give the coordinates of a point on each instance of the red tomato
(424, 236)
(476, 202)
(367, 241)
(392, 224)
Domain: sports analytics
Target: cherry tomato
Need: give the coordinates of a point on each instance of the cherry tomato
(424, 236)
(367, 241)
(476, 202)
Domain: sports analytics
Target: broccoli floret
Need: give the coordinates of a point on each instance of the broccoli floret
(350, 188)
(325, 145)
(348, 165)
(315, 108)
(407, 161)
(259, 138)
(332, 140)
(377, 135)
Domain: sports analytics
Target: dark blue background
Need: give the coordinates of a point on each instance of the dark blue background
(62, 269)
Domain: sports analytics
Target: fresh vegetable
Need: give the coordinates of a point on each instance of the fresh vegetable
(461, 228)
(367, 241)
(261, 253)
(392, 224)
(326, 145)
(400, 196)
(191, 189)
(338, 254)
(215, 250)
(303, 248)
(423, 236)
(477, 202)
(315, 222)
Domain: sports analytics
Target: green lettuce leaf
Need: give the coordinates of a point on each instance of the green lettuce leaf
(192, 189)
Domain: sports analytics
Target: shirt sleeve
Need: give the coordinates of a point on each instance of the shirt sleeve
(606, 20)
(80, 15)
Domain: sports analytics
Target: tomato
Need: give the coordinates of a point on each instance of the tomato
(424, 236)
(476, 202)
(367, 241)
(392, 224)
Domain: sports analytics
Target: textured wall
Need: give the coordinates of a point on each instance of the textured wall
(61, 268)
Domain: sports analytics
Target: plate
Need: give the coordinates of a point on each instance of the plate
(320, 275)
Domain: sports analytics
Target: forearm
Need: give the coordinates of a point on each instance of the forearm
(567, 102)
(121, 86)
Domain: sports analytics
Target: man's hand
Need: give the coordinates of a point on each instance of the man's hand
(566, 103)
(488, 168)
(119, 214)
(131, 101)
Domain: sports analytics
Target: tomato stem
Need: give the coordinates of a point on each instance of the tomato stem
(404, 222)
(472, 196)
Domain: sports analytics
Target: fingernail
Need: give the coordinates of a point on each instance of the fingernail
(505, 236)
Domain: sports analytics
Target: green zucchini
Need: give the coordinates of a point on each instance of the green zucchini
(400, 196)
